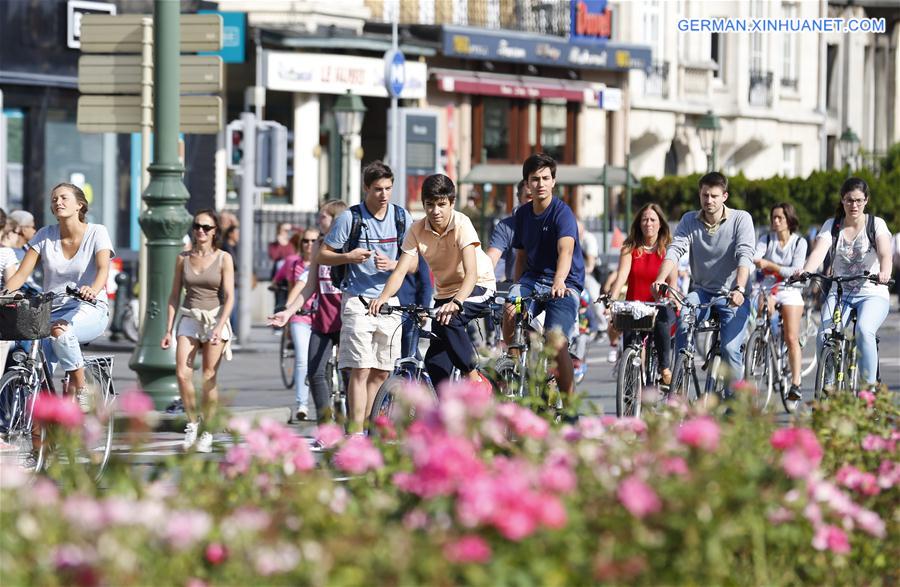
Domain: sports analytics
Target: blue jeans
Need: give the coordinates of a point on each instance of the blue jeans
(86, 322)
(300, 334)
(732, 330)
(871, 311)
(560, 313)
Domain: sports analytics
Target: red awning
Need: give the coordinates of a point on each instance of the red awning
(515, 86)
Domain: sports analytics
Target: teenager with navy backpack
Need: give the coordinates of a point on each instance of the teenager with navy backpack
(363, 247)
(857, 243)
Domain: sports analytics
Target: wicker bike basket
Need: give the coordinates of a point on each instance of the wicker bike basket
(623, 319)
(25, 318)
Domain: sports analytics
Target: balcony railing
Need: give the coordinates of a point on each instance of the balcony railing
(545, 17)
(789, 83)
(656, 81)
(760, 88)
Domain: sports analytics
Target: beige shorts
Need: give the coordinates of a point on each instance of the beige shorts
(368, 342)
(193, 328)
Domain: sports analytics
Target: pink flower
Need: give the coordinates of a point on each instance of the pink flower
(674, 466)
(329, 435)
(385, 427)
(797, 465)
(441, 462)
(874, 443)
(468, 549)
(182, 529)
(216, 553)
(237, 461)
(888, 474)
(802, 451)
(869, 398)
(635, 425)
(831, 538)
(781, 516)
(702, 433)
(52, 409)
(553, 512)
(135, 404)
(558, 478)
(358, 455)
(871, 523)
(638, 498)
(523, 421)
(861, 481)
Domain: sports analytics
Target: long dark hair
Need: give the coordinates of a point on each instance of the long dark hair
(635, 236)
(790, 215)
(850, 185)
(217, 235)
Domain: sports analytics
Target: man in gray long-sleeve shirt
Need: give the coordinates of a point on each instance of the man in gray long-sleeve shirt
(721, 242)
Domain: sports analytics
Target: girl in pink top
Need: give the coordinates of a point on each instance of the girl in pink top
(301, 323)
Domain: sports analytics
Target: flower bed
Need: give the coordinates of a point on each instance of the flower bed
(476, 492)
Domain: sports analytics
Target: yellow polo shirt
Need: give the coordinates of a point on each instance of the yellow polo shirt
(443, 252)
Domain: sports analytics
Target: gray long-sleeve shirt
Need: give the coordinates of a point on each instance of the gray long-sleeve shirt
(715, 257)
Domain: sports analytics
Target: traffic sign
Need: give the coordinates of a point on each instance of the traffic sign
(121, 74)
(394, 72)
(122, 114)
(122, 34)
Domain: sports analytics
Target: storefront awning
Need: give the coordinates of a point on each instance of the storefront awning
(516, 86)
(508, 174)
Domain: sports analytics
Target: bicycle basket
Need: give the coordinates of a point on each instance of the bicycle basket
(25, 319)
(628, 316)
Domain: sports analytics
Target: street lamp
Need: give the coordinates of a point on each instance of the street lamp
(349, 111)
(710, 130)
(849, 143)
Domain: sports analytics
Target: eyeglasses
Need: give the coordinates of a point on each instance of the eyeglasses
(855, 201)
(203, 227)
(308, 241)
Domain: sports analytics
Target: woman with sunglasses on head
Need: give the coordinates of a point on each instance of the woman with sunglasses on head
(849, 238)
(295, 272)
(207, 275)
(72, 251)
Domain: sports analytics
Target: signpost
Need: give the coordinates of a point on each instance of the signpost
(121, 74)
(122, 114)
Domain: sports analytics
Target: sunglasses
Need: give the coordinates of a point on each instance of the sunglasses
(203, 227)
(308, 241)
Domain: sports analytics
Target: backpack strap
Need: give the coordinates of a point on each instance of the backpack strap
(870, 230)
(355, 228)
(400, 226)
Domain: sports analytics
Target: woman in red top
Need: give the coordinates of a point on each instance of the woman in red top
(642, 255)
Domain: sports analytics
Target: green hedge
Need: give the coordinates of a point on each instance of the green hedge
(815, 197)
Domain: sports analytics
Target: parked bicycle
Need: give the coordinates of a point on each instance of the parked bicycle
(684, 373)
(766, 356)
(638, 366)
(838, 371)
(30, 374)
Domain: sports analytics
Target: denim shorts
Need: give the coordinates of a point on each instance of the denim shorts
(560, 313)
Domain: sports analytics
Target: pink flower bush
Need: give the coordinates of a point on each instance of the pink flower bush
(468, 549)
(674, 466)
(638, 498)
(831, 538)
(216, 553)
(270, 443)
(440, 461)
(873, 443)
(523, 421)
(53, 409)
(801, 448)
(183, 529)
(868, 397)
(888, 474)
(861, 481)
(358, 455)
(329, 435)
(702, 433)
(135, 404)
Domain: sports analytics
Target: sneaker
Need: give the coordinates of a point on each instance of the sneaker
(794, 394)
(205, 442)
(302, 413)
(190, 435)
(85, 399)
(613, 355)
(176, 407)
(317, 446)
(28, 462)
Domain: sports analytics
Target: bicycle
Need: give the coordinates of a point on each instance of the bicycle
(337, 386)
(838, 371)
(684, 373)
(30, 375)
(639, 364)
(765, 356)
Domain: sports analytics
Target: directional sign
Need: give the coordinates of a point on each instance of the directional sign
(121, 74)
(122, 34)
(122, 114)
(394, 72)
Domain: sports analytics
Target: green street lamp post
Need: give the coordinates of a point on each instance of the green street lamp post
(165, 221)
(349, 111)
(849, 144)
(710, 130)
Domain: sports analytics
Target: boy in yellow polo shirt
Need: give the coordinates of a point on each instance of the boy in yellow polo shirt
(463, 278)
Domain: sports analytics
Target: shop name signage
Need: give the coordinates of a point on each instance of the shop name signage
(520, 48)
(591, 20)
(315, 73)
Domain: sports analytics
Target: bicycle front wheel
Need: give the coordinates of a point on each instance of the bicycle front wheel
(759, 368)
(23, 444)
(628, 384)
(684, 379)
(827, 375)
(287, 354)
(386, 404)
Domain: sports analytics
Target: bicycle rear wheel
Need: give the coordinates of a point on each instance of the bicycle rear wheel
(628, 384)
(23, 445)
(759, 368)
(287, 353)
(510, 383)
(827, 376)
(334, 379)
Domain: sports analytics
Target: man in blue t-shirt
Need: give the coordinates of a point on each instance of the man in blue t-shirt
(369, 344)
(548, 260)
(500, 249)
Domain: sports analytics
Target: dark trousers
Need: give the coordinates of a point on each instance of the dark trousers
(320, 345)
(452, 347)
(409, 342)
(662, 337)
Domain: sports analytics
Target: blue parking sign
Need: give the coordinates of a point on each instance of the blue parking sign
(394, 72)
(234, 34)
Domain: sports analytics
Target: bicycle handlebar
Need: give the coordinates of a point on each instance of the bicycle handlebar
(807, 275)
(682, 299)
(71, 292)
(412, 309)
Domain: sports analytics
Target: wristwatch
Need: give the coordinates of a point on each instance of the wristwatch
(739, 289)
(458, 303)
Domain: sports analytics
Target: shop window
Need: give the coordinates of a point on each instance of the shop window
(496, 128)
(553, 129)
(14, 127)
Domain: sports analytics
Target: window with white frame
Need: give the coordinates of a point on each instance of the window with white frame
(493, 14)
(461, 12)
(789, 67)
(756, 39)
(426, 11)
(717, 54)
(790, 166)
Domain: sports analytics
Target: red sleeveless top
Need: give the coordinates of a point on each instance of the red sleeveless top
(644, 269)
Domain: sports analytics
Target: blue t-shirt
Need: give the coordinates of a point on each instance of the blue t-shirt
(538, 236)
(502, 239)
(380, 236)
